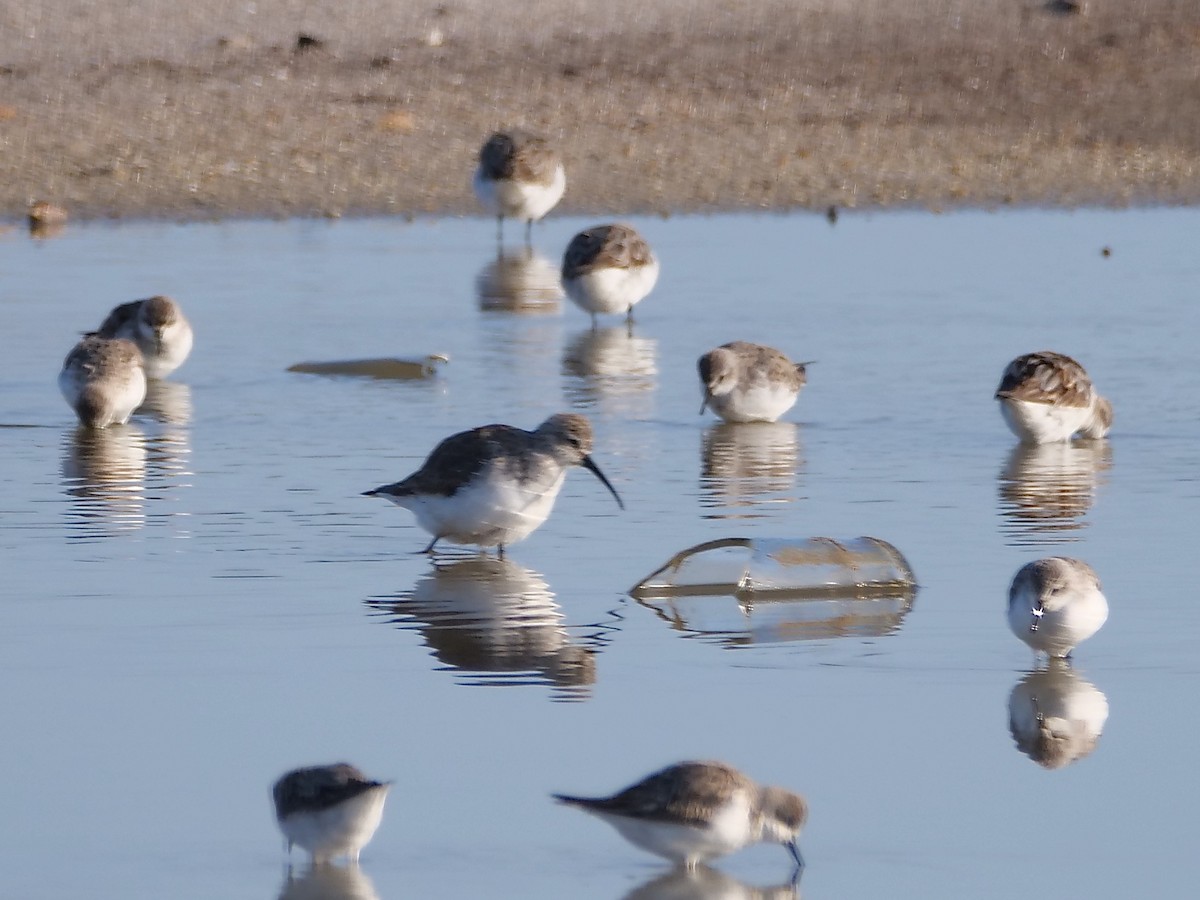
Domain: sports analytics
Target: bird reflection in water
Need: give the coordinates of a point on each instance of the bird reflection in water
(747, 467)
(1045, 490)
(328, 882)
(704, 883)
(104, 473)
(1055, 715)
(498, 623)
(612, 369)
(519, 281)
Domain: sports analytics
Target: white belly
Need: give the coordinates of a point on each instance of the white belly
(612, 291)
(339, 830)
(761, 402)
(490, 510)
(519, 200)
(1058, 630)
(116, 398)
(1043, 423)
(728, 831)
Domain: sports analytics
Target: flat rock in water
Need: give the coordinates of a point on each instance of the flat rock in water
(383, 367)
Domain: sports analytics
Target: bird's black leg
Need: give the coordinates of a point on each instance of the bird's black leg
(429, 549)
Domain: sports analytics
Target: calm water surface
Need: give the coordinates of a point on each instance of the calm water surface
(198, 601)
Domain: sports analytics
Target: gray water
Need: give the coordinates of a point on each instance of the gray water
(201, 600)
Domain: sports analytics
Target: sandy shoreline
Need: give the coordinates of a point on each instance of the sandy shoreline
(122, 109)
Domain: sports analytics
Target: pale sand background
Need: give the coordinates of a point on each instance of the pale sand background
(206, 108)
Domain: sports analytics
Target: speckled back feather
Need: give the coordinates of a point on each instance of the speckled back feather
(605, 247)
(520, 156)
(1046, 377)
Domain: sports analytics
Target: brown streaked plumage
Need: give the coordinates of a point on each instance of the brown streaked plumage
(746, 382)
(694, 811)
(157, 325)
(104, 380)
(1046, 377)
(1046, 397)
(609, 269)
(520, 176)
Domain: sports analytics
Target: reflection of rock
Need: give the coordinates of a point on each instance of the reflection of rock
(328, 882)
(104, 471)
(490, 616)
(1055, 716)
(520, 281)
(611, 367)
(704, 883)
(1046, 489)
(744, 466)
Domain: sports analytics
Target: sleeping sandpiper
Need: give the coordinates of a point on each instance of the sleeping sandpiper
(493, 486)
(330, 811)
(520, 176)
(103, 380)
(695, 811)
(1047, 397)
(608, 269)
(1056, 603)
(746, 382)
(157, 325)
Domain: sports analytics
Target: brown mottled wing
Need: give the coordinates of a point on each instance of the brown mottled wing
(458, 459)
(518, 155)
(1046, 377)
(121, 318)
(760, 361)
(688, 792)
(605, 247)
(319, 787)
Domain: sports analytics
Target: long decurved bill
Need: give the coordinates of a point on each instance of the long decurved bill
(587, 463)
(795, 851)
(704, 402)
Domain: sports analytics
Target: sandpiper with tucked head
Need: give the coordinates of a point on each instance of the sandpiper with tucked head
(695, 811)
(520, 176)
(608, 269)
(157, 325)
(104, 380)
(746, 382)
(330, 811)
(1047, 397)
(1055, 604)
(494, 485)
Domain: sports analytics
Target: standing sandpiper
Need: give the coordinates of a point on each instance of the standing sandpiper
(1047, 397)
(520, 176)
(695, 811)
(608, 269)
(104, 380)
(157, 325)
(746, 382)
(1056, 603)
(330, 811)
(493, 486)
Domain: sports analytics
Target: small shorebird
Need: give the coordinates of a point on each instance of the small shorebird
(1056, 603)
(157, 325)
(103, 380)
(749, 382)
(695, 811)
(330, 811)
(608, 269)
(520, 176)
(493, 486)
(1047, 397)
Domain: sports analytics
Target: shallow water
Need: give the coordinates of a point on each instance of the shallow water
(201, 600)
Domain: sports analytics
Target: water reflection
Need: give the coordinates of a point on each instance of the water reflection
(1045, 490)
(328, 882)
(519, 281)
(704, 883)
(611, 368)
(1055, 715)
(496, 621)
(747, 466)
(104, 471)
(168, 402)
(741, 621)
